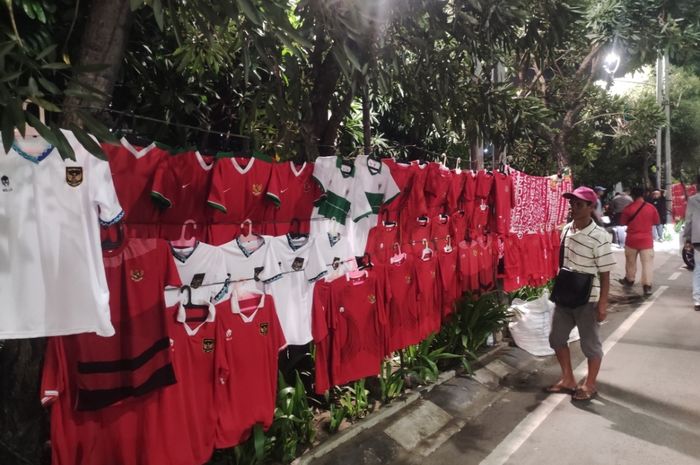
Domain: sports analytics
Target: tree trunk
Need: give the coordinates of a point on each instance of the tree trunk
(366, 123)
(104, 42)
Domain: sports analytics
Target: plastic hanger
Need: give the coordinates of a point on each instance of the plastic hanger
(295, 229)
(448, 244)
(183, 241)
(398, 256)
(427, 252)
(248, 236)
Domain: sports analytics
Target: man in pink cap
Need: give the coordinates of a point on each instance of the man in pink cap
(586, 249)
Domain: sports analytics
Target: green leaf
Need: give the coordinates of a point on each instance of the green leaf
(7, 130)
(96, 126)
(6, 47)
(250, 11)
(14, 108)
(135, 4)
(88, 142)
(259, 442)
(157, 7)
(64, 147)
(11, 76)
(48, 85)
(57, 65)
(46, 51)
(45, 104)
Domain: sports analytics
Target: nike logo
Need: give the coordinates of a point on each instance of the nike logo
(226, 190)
(185, 185)
(282, 191)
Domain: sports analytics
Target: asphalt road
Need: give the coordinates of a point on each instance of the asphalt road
(647, 410)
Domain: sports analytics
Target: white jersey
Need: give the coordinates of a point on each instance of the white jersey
(52, 277)
(380, 188)
(301, 264)
(337, 255)
(250, 265)
(343, 199)
(202, 268)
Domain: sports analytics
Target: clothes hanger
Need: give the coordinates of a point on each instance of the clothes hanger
(398, 256)
(427, 252)
(248, 236)
(112, 244)
(295, 228)
(448, 245)
(183, 242)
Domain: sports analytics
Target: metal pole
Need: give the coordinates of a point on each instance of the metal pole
(659, 133)
(667, 103)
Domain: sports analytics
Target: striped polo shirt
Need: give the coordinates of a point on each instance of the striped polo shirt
(588, 251)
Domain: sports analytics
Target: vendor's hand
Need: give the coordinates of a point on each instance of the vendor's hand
(602, 312)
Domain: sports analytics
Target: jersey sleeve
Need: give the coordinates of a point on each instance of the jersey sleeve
(102, 191)
(163, 185)
(275, 187)
(53, 375)
(315, 267)
(217, 191)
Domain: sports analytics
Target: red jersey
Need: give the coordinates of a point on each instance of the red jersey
(418, 237)
(469, 196)
(237, 192)
(513, 264)
(482, 203)
(249, 338)
(132, 170)
(449, 285)
(440, 229)
(487, 262)
(293, 191)
(181, 184)
(458, 226)
(358, 318)
(380, 243)
(403, 177)
(137, 359)
(469, 265)
(428, 297)
(455, 194)
(504, 201)
(437, 186)
(403, 329)
(323, 337)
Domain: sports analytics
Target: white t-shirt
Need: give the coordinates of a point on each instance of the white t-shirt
(52, 277)
(336, 253)
(250, 265)
(203, 268)
(301, 264)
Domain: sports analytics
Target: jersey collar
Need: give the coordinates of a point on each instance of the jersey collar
(245, 251)
(297, 243)
(235, 308)
(178, 252)
(295, 171)
(33, 159)
(248, 167)
(182, 317)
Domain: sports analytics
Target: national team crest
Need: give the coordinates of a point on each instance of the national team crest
(408, 279)
(256, 272)
(298, 264)
(257, 189)
(335, 263)
(136, 275)
(208, 345)
(372, 298)
(264, 328)
(74, 175)
(307, 186)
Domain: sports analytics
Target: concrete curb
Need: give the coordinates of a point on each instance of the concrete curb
(376, 417)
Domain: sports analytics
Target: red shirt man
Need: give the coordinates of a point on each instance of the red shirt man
(639, 217)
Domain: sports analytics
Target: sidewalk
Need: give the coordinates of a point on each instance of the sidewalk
(411, 429)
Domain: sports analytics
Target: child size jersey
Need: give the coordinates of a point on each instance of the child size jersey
(469, 196)
(503, 201)
(293, 191)
(343, 197)
(133, 169)
(250, 265)
(202, 267)
(418, 237)
(449, 284)
(469, 265)
(237, 193)
(427, 281)
(380, 188)
(323, 337)
(437, 185)
(402, 174)
(301, 264)
(52, 277)
(174, 425)
(181, 185)
(403, 328)
(513, 264)
(249, 338)
(336, 253)
(358, 319)
(136, 360)
(482, 203)
(455, 194)
(381, 241)
(488, 257)
(440, 228)
(458, 226)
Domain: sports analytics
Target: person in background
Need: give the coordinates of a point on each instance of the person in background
(691, 233)
(600, 192)
(619, 202)
(586, 249)
(639, 217)
(658, 200)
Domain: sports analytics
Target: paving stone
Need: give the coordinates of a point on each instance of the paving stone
(424, 420)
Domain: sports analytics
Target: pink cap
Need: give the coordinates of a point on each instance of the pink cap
(584, 193)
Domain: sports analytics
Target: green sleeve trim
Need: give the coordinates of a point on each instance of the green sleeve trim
(391, 199)
(274, 198)
(362, 216)
(218, 206)
(161, 199)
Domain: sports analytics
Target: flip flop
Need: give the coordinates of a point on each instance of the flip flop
(559, 389)
(583, 393)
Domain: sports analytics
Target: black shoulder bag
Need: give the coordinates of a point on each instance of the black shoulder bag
(571, 288)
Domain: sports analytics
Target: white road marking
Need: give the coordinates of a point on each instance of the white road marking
(534, 419)
(674, 276)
